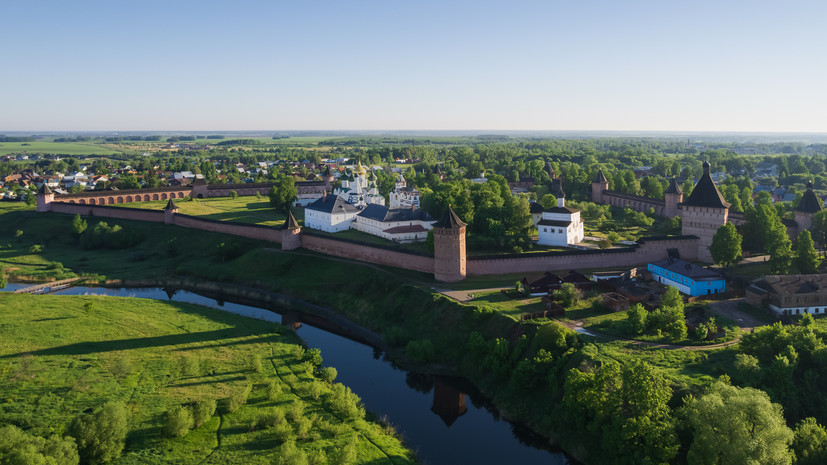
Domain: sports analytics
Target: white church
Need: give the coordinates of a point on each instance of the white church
(359, 189)
(404, 196)
(560, 225)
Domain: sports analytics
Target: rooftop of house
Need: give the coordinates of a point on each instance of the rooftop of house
(332, 204)
(389, 215)
(792, 284)
(689, 270)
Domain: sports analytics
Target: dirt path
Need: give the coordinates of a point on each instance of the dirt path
(729, 309)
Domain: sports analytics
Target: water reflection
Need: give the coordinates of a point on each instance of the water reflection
(430, 412)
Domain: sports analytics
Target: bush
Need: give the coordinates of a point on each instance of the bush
(233, 194)
(238, 398)
(567, 295)
(273, 390)
(314, 356)
(109, 237)
(296, 411)
(18, 447)
(100, 435)
(283, 432)
(327, 374)
(421, 351)
(37, 248)
(343, 400)
(202, 411)
(344, 456)
(268, 419)
(289, 454)
(179, 422)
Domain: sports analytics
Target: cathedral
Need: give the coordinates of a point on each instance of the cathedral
(359, 188)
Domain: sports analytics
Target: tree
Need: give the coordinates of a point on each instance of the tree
(806, 256)
(636, 318)
(100, 435)
(18, 448)
(283, 193)
(78, 225)
(726, 245)
(737, 425)
(568, 295)
(810, 443)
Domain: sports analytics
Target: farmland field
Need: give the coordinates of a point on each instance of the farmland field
(62, 148)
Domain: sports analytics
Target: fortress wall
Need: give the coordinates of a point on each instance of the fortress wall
(124, 196)
(250, 231)
(366, 253)
(644, 252)
(137, 214)
(638, 204)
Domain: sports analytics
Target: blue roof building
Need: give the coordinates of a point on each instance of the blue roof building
(690, 279)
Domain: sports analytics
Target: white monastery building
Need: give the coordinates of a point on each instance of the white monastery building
(560, 225)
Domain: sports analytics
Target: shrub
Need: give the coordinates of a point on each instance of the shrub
(233, 194)
(179, 422)
(238, 398)
(303, 427)
(18, 447)
(255, 363)
(273, 390)
(420, 351)
(315, 390)
(190, 365)
(296, 411)
(202, 411)
(314, 356)
(327, 374)
(283, 431)
(268, 419)
(100, 435)
(18, 233)
(289, 454)
(109, 237)
(567, 295)
(344, 401)
(344, 455)
(37, 248)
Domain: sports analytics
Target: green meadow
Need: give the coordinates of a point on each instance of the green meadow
(61, 356)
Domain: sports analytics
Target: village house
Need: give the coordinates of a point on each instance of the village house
(690, 279)
(790, 294)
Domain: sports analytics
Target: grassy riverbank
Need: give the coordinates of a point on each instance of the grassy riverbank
(63, 355)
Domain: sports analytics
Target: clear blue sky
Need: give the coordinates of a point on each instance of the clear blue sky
(535, 65)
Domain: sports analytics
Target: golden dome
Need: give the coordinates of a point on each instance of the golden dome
(360, 170)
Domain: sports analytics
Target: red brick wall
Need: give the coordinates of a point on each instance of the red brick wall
(269, 234)
(368, 254)
(107, 212)
(645, 252)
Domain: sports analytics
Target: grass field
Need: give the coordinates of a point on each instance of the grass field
(63, 148)
(246, 209)
(62, 355)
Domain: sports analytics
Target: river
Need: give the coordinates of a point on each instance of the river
(444, 420)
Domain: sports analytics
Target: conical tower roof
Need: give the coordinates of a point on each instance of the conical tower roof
(557, 188)
(809, 202)
(450, 220)
(600, 177)
(327, 171)
(44, 190)
(290, 222)
(674, 188)
(170, 205)
(706, 193)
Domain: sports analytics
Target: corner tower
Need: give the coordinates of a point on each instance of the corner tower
(44, 197)
(809, 206)
(703, 213)
(169, 212)
(449, 248)
(672, 198)
(291, 233)
(599, 185)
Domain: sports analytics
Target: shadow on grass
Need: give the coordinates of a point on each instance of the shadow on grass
(86, 348)
(210, 381)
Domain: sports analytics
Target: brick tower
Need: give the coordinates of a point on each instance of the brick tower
(291, 237)
(44, 197)
(672, 198)
(599, 185)
(809, 206)
(169, 212)
(449, 248)
(703, 213)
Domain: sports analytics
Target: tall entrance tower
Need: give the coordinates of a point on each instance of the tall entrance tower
(703, 213)
(449, 248)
